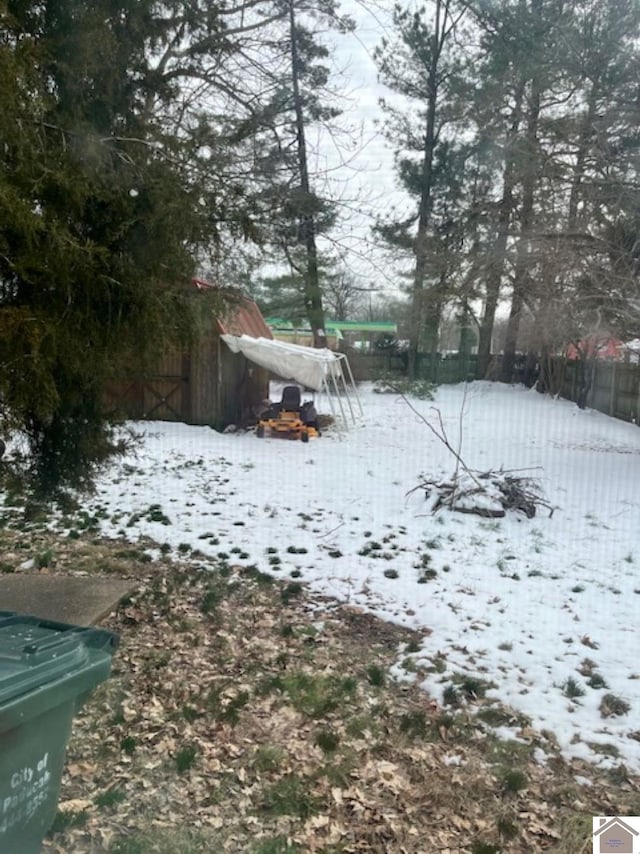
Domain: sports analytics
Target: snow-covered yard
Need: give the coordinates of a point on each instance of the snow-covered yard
(545, 610)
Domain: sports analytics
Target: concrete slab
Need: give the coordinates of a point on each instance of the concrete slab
(79, 600)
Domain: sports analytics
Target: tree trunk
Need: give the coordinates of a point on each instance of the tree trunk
(495, 267)
(581, 154)
(521, 274)
(312, 290)
(419, 304)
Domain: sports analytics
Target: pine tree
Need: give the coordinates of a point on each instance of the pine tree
(100, 221)
(420, 64)
(296, 214)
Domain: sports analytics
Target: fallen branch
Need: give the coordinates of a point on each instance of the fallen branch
(489, 493)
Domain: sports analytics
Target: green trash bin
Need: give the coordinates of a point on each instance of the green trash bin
(47, 670)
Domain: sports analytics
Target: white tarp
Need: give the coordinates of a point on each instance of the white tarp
(305, 365)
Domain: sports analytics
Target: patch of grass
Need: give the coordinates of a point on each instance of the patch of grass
(495, 716)
(290, 591)
(183, 840)
(128, 744)
(451, 697)
(619, 775)
(579, 588)
(317, 695)
(269, 758)
(603, 749)
(190, 714)
(506, 827)
(574, 829)
(44, 559)
(66, 819)
(224, 708)
(211, 599)
(362, 726)
(256, 575)
(572, 689)
(327, 740)
(414, 724)
(391, 573)
(438, 664)
(612, 706)
(276, 845)
(156, 514)
(110, 798)
(505, 646)
(390, 383)
(513, 781)
(480, 847)
(376, 675)
(597, 681)
(185, 758)
(507, 752)
(472, 687)
(291, 795)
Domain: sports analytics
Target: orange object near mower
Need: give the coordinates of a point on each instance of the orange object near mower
(289, 419)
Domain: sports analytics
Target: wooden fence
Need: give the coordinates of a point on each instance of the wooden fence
(452, 368)
(613, 387)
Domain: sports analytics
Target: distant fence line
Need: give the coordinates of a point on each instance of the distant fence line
(612, 387)
(452, 368)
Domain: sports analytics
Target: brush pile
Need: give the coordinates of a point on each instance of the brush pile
(491, 493)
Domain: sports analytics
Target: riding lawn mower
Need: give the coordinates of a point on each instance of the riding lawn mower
(289, 418)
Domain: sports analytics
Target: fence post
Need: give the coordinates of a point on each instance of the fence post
(613, 390)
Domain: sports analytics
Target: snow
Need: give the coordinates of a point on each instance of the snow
(518, 602)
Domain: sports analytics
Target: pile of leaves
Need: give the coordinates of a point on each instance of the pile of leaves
(245, 714)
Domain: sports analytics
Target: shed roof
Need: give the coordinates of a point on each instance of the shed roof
(244, 318)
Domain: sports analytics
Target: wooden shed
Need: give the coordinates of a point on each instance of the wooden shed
(207, 385)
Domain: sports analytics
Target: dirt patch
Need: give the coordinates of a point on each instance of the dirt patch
(371, 632)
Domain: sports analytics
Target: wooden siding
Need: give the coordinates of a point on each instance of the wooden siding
(209, 385)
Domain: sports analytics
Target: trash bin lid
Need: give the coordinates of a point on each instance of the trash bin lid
(34, 652)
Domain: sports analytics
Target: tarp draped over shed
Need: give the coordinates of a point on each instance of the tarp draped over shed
(317, 369)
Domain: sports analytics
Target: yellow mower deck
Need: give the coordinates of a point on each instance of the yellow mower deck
(288, 425)
(289, 419)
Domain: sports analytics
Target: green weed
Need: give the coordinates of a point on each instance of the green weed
(513, 781)
(572, 689)
(290, 796)
(185, 758)
(110, 798)
(317, 696)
